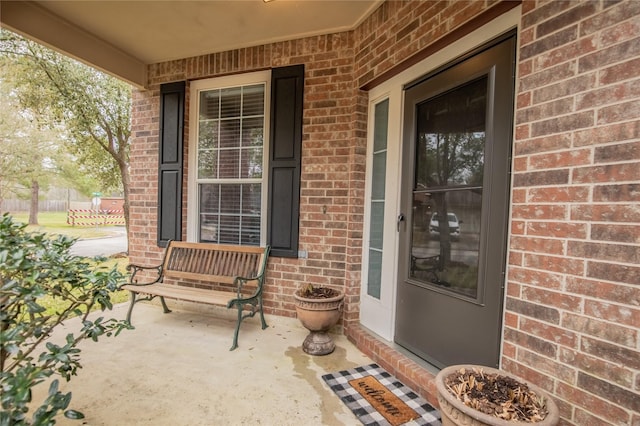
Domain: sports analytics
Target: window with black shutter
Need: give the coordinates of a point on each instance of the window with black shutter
(170, 162)
(246, 142)
(287, 86)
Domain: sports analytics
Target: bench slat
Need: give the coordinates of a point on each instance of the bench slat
(192, 294)
(207, 263)
(223, 279)
(218, 247)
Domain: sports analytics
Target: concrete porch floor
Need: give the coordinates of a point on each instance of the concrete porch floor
(176, 369)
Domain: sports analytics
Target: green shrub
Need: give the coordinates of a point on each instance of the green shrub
(32, 266)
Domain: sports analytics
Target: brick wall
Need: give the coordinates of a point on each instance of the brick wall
(143, 197)
(572, 315)
(333, 158)
(399, 30)
(572, 321)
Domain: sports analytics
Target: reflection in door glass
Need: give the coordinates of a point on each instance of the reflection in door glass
(447, 193)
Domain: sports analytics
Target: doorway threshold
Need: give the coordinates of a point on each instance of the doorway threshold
(411, 370)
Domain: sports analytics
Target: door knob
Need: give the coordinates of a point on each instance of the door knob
(400, 219)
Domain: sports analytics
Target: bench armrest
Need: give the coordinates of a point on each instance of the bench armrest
(239, 282)
(134, 269)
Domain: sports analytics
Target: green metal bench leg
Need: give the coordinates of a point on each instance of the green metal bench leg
(164, 305)
(264, 323)
(235, 335)
(133, 302)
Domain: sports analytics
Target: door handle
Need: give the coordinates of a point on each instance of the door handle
(400, 219)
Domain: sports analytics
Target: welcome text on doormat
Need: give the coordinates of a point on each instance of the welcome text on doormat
(362, 395)
(385, 402)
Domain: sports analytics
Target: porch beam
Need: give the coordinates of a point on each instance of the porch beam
(36, 23)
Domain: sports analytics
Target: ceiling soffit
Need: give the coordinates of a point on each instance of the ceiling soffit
(122, 38)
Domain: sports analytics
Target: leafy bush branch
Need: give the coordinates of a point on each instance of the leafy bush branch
(33, 265)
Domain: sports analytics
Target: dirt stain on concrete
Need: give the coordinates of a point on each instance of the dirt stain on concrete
(330, 405)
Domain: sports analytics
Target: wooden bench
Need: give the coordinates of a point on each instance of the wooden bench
(241, 267)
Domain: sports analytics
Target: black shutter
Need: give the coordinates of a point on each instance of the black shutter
(287, 87)
(170, 162)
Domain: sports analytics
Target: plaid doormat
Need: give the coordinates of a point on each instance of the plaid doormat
(342, 384)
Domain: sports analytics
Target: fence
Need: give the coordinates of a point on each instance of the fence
(85, 217)
(15, 205)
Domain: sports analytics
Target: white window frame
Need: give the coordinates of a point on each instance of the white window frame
(193, 202)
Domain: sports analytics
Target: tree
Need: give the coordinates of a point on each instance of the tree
(450, 154)
(95, 108)
(32, 156)
(450, 158)
(28, 152)
(34, 266)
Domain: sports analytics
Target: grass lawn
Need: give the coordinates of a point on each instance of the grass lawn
(53, 305)
(56, 223)
(121, 263)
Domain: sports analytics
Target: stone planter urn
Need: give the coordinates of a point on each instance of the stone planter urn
(318, 309)
(451, 382)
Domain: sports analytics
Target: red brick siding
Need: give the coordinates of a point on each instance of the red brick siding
(571, 321)
(574, 321)
(143, 202)
(332, 163)
(398, 30)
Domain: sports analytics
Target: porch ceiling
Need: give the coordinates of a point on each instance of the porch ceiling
(122, 37)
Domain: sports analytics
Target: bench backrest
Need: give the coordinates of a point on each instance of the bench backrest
(214, 262)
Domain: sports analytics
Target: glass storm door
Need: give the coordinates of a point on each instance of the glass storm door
(456, 162)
